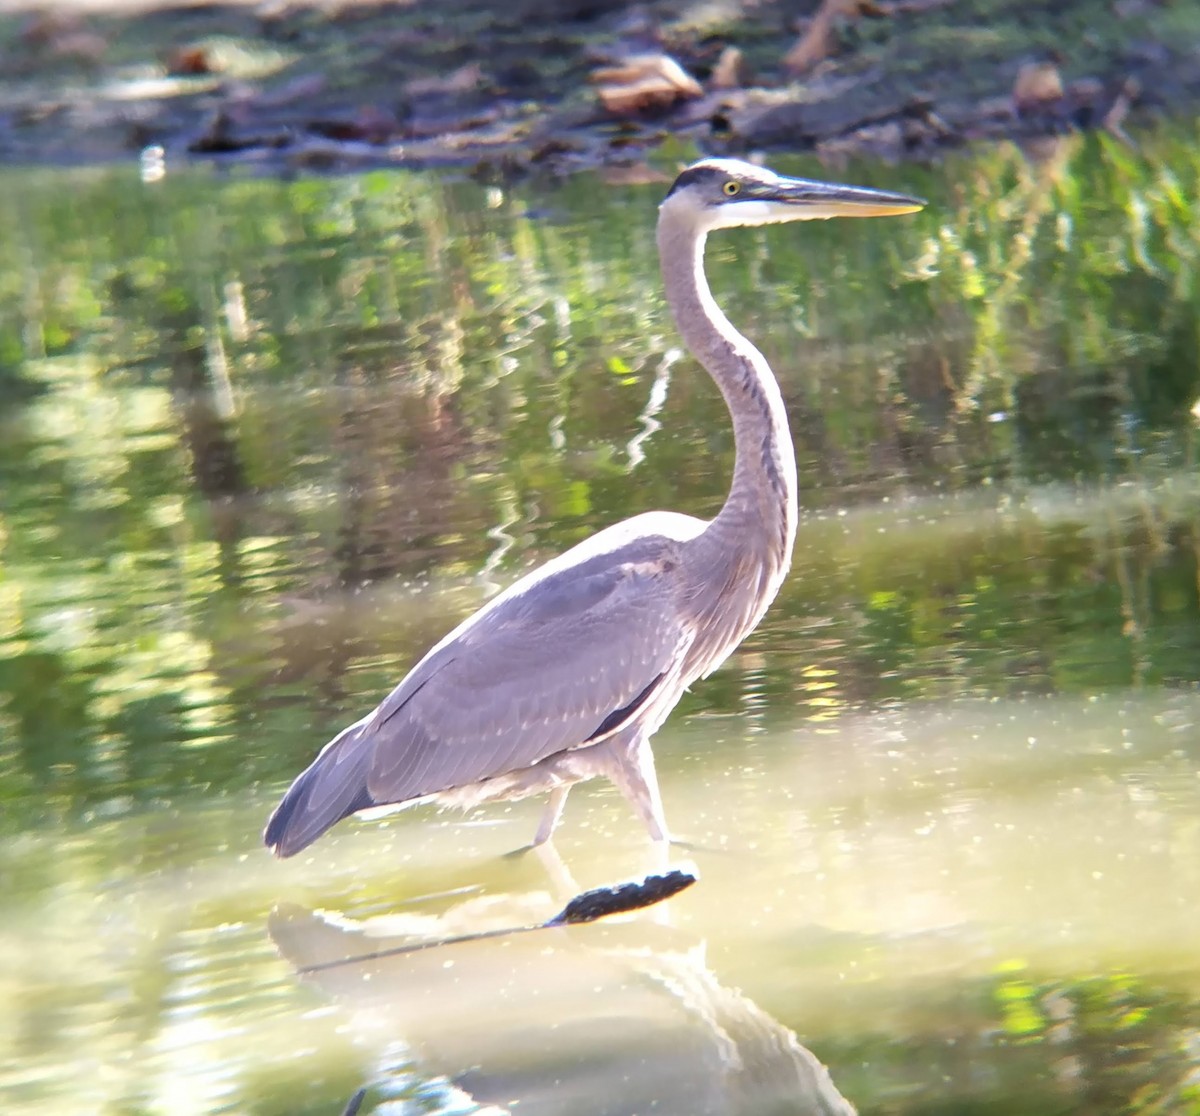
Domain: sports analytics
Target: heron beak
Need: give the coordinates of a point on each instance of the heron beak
(816, 200)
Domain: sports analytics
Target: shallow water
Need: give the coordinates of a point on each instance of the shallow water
(262, 443)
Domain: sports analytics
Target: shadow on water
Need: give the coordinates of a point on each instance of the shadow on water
(596, 1021)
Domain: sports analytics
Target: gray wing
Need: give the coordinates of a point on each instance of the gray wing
(562, 659)
(551, 667)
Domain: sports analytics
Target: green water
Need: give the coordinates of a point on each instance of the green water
(262, 443)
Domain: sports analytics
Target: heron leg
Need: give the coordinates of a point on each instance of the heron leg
(550, 816)
(635, 778)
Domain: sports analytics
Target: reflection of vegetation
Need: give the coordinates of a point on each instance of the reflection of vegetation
(226, 398)
(1098, 1045)
(1112, 1043)
(1083, 287)
(258, 436)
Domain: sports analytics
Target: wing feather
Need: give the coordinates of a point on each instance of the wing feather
(542, 672)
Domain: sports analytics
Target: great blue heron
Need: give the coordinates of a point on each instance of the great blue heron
(568, 673)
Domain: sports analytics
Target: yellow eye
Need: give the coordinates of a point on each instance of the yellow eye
(731, 188)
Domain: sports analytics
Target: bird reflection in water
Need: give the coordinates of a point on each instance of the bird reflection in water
(604, 1019)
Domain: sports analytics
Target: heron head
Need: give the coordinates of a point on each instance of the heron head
(727, 193)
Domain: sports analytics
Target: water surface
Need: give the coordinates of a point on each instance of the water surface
(264, 442)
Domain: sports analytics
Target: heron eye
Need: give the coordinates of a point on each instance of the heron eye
(731, 188)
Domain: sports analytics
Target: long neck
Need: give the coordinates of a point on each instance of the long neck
(761, 505)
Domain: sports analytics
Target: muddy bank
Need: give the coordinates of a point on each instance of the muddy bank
(499, 88)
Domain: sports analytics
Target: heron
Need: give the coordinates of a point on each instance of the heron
(568, 673)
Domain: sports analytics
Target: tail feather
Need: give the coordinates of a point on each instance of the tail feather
(332, 787)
